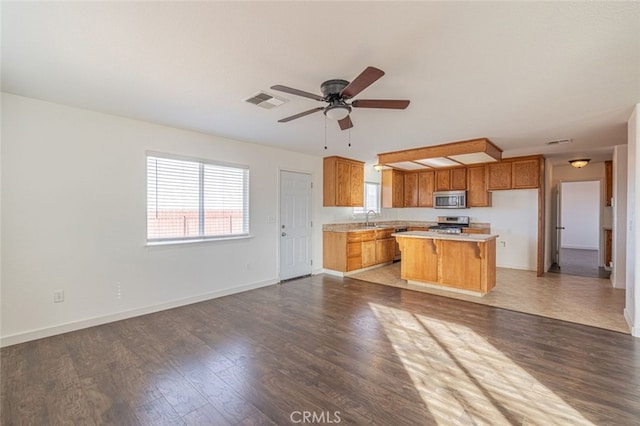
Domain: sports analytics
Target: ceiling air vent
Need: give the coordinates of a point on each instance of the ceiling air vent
(265, 100)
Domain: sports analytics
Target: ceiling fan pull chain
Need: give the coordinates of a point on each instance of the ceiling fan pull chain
(325, 132)
(349, 136)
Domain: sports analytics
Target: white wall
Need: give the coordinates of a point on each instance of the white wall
(632, 305)
(73, 218)
(580, 215)
(619, 217)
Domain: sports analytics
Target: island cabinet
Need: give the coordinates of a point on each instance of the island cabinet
(350, 251)
(462, 263)
(451, 179)
(392, 188)
(477, 193)
(343, 182)
(514, 173)
(418, 189)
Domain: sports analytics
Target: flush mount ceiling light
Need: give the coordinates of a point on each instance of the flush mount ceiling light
(579, 163)
(337, 110)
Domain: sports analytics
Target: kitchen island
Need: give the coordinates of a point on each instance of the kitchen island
(458, 262)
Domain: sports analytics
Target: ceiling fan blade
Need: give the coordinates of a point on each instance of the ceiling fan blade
(297, 92)
(302, 114)
(345, 123)
(380, 103)
(361, 82)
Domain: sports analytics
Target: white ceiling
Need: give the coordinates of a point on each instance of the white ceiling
(520, 74)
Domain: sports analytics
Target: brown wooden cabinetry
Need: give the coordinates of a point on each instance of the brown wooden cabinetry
(608, 182)
(343, 182)
(418, 189)
(425, 188)
(499, 176)
(410, 189)
(348, 251)
(477, 192)
(525, 173)
(451, 179)
(514, 173)
(608, 246)
(392, 188)
(466, 265)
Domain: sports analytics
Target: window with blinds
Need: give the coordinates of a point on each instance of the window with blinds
(194, 199)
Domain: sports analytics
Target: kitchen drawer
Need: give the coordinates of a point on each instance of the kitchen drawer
(361, 236)
(381, 234)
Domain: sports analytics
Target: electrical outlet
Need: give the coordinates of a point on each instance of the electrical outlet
(58, 296)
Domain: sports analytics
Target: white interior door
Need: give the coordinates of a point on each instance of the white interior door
(295, 225)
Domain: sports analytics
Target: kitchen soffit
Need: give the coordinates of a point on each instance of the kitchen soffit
(453, 154)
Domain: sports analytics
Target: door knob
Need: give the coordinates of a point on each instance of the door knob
(284, 234)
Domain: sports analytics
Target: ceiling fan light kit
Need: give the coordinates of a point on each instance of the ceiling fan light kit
(337, 111)
(336, 92)
(580, 163)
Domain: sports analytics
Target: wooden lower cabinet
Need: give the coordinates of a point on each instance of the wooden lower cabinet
(385, 250)
(349, 251)
(464, 265)
(608, 246)
(368, 253)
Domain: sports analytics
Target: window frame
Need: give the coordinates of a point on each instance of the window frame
(201, 162)
(361, 212)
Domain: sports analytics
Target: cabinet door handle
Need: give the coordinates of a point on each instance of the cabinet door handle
(559, 227)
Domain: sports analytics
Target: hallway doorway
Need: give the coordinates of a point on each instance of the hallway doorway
(577, 243)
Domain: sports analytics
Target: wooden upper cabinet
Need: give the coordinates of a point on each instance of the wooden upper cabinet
(451, 179)
(343, 182)
(443, 180)
(515, 173)
(525, 173)
(411, 189)
(392, 188)
(425, 188)
(477, 193)
(608, 182)
(418, 189)
(499, 176)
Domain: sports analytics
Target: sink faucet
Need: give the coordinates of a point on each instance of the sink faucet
(367, 223)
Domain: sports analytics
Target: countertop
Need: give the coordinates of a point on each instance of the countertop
(356, 227)
(445, 236)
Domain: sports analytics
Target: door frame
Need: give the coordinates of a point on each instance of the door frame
(278, 229)
(600, 213)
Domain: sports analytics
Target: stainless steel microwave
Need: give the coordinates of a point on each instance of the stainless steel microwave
(450, 200)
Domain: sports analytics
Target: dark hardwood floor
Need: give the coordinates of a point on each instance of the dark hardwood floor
(328, 350)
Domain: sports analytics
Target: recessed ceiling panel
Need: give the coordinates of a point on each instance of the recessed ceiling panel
(438, 162)
(407, 165)
(473, 158)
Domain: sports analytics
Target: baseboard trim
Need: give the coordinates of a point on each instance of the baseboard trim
(635, 331)
(27, 336)
(570, 246)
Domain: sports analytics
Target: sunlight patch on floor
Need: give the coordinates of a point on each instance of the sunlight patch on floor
(462, 378)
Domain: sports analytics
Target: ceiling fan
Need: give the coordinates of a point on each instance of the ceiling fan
(336, 92)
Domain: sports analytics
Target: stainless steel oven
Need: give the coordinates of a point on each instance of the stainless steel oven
(450, 200)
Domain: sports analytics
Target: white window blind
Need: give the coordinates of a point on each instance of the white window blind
(195, 199)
